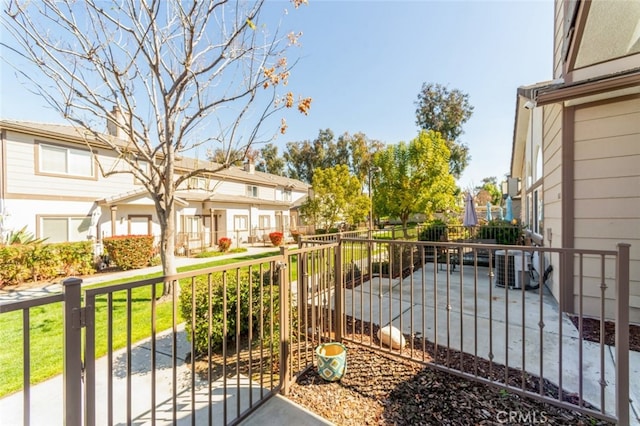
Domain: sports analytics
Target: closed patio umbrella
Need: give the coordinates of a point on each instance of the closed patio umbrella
(470, 216)
(509, 215)
(489, 218)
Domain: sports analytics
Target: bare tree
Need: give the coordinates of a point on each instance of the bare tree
(171, 77)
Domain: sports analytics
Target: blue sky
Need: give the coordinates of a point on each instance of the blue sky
(363, 63)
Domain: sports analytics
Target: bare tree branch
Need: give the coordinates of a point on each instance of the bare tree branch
(170, 76)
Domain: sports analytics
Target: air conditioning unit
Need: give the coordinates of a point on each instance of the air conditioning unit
(511, 270)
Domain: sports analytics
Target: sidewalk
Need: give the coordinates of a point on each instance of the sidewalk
(45, 398)
(28, 293)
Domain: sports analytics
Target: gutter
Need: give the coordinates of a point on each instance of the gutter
(560, 92)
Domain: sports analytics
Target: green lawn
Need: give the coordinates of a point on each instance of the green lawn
(46, 328)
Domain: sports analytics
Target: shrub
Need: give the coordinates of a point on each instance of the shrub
(277, 238)
(402, 255)
(224, 244)
(297, 235)
(434, 231)
(235, 286)
(351, 273)
(130, 251)
(36, 261)
(503, 232)
(42, 262)
(75, 258)
(12, 265)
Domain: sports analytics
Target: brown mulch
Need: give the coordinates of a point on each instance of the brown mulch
(380, 388)
(591, 332)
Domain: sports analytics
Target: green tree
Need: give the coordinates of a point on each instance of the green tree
(337, 197)
(303, 158)
(490, 186)
(414, 178)
(270, 161)
(445, 111)
(361, 150)
(169, 77)
(231, 157)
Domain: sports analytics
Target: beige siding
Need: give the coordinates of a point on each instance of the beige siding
(607, 183)
(23, 180)
(558, 39)
(552, 167)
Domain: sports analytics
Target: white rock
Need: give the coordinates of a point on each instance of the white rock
(391, 336)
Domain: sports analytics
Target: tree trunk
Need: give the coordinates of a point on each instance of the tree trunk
(405, 218)
(167, 246)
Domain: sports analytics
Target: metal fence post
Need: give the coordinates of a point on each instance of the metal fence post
(284, 322)
(72, 363)
(339, 292)
(622, 334)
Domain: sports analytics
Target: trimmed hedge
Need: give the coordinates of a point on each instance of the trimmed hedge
(21, 263)
(434, 231)
(130, 251)
(233, 286)
(505, 233)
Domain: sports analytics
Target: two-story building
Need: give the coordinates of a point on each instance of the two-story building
(51, 182)
(576, 148)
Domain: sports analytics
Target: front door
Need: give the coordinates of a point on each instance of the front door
(139, 224)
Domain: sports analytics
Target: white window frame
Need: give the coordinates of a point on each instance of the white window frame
(69, 161)
(240, 222)
(252, 191)
(196, 182)
(264, 221)
(84, 220)
(286, 194)
(535, 209)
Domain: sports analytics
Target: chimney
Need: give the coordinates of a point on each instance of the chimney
(115, 125)
(250, 167)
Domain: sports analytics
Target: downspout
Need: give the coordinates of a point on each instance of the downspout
(568, 206)
(3, 175)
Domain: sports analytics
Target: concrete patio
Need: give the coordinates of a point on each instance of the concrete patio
(485, 319)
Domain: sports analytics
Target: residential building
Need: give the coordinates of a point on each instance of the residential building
(52, 183)
(576, 149)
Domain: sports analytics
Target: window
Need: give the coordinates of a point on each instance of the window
(65, 229)
(240, 223)
(264, 221)
(535, 210)
(65, 161)
(286, 195)
(143, 166)
(252, 191)
(197, 183)
(192, 225)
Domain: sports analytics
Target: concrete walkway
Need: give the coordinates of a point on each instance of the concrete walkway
(8, 294)
(46, 397)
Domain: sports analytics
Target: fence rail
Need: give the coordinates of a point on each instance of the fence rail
(237, 334)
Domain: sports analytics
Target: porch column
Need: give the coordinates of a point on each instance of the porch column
(114, 210)
(212, 237)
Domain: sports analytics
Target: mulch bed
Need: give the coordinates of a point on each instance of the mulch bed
(380, 388)
(591, 332)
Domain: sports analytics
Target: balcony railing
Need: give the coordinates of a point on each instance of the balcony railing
(238, 334)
